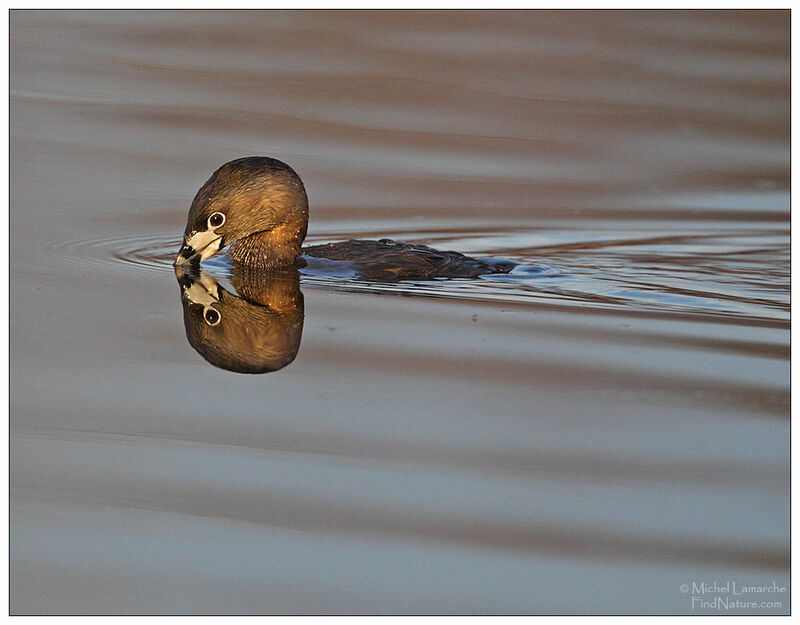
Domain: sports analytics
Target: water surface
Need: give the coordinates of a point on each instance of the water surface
(583, 435)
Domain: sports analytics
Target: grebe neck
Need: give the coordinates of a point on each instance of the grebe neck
(269, 249)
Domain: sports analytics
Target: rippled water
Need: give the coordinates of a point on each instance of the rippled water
(583, 435)
(742, 272)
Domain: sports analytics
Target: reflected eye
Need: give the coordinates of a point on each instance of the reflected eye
(216, 220)
(211, 316)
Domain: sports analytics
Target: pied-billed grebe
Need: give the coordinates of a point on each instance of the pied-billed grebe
(259, 207)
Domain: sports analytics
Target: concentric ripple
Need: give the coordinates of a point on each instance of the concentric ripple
(149, 252)
(722, 273)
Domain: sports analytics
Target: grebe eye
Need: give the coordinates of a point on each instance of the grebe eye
(211, 316)
(216, 220)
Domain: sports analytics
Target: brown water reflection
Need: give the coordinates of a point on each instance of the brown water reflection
(257, 332)
(584, 435)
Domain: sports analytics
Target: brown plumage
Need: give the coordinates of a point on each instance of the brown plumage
(389, 261)
(259, 207)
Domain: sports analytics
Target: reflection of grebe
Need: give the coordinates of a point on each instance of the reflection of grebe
(258, 206)
(255, 333)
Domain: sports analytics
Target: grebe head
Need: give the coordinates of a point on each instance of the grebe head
(256, 204)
